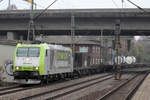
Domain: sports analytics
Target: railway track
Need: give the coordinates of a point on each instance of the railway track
(8, 87)
(125, 90)
(12, 93)
(59, 92)
(13, 89)
(16, 88)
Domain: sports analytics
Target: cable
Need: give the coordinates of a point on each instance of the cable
(137, 6)
(1, 1)
(140, 9)
(44, 10)
(115, 3)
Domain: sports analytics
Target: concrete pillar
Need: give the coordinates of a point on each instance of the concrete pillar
(11, 36)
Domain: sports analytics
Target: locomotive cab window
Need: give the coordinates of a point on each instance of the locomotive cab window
(34, 52)
(22, 52)
(28, 52)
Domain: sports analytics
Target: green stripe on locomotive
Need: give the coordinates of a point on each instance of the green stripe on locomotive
(41, 70)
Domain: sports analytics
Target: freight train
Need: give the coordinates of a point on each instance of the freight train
(36, 63)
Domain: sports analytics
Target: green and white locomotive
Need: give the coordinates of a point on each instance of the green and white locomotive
(34, 63)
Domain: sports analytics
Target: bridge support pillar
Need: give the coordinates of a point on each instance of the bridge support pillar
(11, 36)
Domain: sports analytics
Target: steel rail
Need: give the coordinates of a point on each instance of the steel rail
(10, 87)
(131, 93)
(120, 86)
(69, 86)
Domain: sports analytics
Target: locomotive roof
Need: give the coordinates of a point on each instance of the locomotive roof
(58, 47)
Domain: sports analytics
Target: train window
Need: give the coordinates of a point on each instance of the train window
(22, 52)
(34, 52)
(62, 55)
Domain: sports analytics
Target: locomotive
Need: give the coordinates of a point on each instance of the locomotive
(34, 63)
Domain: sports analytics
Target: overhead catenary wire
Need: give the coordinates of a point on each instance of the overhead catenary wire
(137, 6)
(115, 3)
(36, 17)
(1, 1)
(31, 23)
(140, 8)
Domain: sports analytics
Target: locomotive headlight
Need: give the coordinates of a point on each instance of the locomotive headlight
(17, 68)
(36, 68)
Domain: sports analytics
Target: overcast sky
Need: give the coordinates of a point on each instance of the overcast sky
(76, 4)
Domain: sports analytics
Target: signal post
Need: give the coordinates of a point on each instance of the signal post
(117, 46)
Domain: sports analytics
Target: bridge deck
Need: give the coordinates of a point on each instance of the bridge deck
(87, 22)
